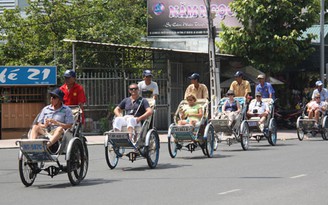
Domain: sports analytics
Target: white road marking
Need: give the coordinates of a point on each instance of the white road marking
(228, 192)
(298, 176)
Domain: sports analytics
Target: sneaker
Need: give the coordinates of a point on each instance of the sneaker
(316, 125)
(261, 127)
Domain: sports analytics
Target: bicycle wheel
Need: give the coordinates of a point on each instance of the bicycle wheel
(299, 130)
(324, 132)
(173, 148)
(244, 135)
(111, 156)
(75, 162)
(86, 158)
(152, 150)
(209, 140)
(26, 171)
(272, 138)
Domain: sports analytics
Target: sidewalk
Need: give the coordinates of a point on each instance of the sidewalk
(99, 139)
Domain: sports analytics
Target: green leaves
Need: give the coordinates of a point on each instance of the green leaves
(36, 39)
(271, 33)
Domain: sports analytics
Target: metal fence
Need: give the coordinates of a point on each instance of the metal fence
(105, 89)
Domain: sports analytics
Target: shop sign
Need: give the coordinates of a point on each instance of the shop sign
(28, 75)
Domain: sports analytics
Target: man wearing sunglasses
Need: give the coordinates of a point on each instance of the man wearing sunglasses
(136, 110)
(54, 119)
(74, 92)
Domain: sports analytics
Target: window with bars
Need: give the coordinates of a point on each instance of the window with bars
(23, 94)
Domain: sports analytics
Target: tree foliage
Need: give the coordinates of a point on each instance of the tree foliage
(37, 38)
(272, 33)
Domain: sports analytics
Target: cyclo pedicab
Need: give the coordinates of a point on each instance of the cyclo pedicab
(118, 143)
(269, 130)
(237, 130)
(189, 137)
(305, 125)
(34, 156)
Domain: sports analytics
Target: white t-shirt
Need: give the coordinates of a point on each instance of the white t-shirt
(261, 107)
(148, 91)
(323, 94)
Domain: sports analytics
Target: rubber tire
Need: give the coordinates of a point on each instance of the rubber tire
(86, 158)
(152, 150)
(75, 164)
(299, 130)
(25, 172)
(324, 133)
(209, 140)
(244, 135)
(272, 138)
(173, 150)
(111, 157)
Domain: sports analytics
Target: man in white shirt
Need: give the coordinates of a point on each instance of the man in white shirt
(320, 90)
(258, 108)
(147, 87)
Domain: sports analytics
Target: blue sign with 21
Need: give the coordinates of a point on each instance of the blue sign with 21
(28, 75)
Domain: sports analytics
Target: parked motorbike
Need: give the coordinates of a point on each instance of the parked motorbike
(286, 118)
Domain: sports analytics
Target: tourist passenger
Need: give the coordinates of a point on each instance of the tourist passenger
(231, 107)
(315, 108)
(192, 113)
(258, 108)
(136, 110)
(54, 119)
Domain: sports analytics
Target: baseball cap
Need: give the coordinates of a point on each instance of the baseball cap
(258, 94)
(238, 74)
(261, 76)
(59, 93)
(147, 73)
(318, 83)
(194, 76)
(69, 74)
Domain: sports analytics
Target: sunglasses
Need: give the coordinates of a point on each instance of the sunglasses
(133, 89)
(258, 96)
(317, 97)
(54, 96)
(229, 94)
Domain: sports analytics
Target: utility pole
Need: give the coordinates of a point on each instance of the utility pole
(214, 72)
(322, 43)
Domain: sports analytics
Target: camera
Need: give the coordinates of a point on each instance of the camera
(254, 111)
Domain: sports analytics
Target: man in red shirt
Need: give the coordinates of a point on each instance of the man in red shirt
(74, 93)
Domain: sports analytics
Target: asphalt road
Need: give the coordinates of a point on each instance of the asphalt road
(292, 172)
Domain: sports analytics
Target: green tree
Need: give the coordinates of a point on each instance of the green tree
(271, 36)
(37, 38)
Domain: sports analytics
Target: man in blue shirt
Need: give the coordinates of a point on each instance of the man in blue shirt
(264, 88)
(54, 119)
